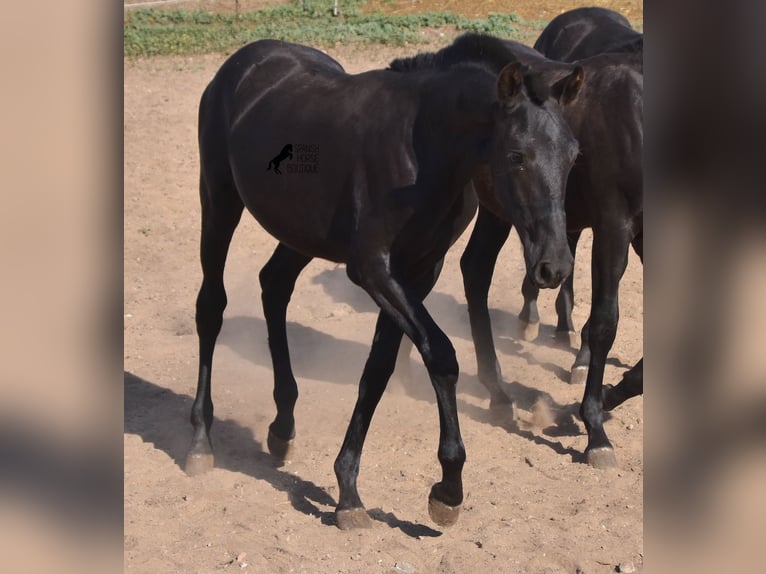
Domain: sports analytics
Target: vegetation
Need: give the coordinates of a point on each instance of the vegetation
(151, 32)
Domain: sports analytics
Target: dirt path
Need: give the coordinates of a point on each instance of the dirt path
(529, 507)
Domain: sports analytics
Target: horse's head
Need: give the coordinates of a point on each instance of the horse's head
(512, 122)
(531, 154)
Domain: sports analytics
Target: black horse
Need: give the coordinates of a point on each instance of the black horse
(605, 192)
(286, 153)
(585, 32)
(577, 34)
(396, 155)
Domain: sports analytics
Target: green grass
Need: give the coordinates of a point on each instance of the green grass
(152, 32)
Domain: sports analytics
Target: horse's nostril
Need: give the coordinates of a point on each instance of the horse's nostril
(545, 273)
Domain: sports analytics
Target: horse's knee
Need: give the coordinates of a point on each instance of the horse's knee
(441, 363)
(380, 368)
(603, 327)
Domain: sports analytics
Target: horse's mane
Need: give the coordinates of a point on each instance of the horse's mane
(469, 47)
(483, 50)
(421, 61)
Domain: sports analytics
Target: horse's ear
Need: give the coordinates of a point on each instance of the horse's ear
(510, 82)
(567, 88)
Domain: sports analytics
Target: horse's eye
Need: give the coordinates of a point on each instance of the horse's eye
(516, 158)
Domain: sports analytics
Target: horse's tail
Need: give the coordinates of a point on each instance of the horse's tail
(268, 167)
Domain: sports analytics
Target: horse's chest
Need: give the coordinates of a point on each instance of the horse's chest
(429, 233)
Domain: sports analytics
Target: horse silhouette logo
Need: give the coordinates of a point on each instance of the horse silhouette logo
(286, 153)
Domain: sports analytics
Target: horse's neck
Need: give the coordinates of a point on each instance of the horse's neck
(492, 52)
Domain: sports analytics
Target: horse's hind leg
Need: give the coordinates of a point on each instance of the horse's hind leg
(277, 279)
(221, 212)
(631, 385)
(350, 512)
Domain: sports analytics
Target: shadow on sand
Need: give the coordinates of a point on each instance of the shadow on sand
(159, 415)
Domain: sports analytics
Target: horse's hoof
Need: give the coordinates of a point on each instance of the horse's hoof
(280, 448)
(529, 331)
(601, 457)
(578, 375)
(352, 519)
(504, 414)
(504, 406)
(198, 463)
(542, 416)
(566, 338)
(442, 514)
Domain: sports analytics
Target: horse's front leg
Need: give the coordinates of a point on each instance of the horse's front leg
(610, 258)
(529, 316)
(579, 371)
(477, 265)
(632, 383)
(565, 331)
(404, 307)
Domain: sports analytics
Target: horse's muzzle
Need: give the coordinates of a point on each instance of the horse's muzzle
(549, 274)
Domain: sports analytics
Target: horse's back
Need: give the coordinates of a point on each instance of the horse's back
(256, 69)
(607, 117)
(585, 32)
(244, 78)
(273, 94)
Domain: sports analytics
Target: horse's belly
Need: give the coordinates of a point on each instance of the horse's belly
(312, 245)
(299, 223)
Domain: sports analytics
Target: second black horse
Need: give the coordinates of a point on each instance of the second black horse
(604, 191)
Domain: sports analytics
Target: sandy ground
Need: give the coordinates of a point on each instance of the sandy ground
(531, 506)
